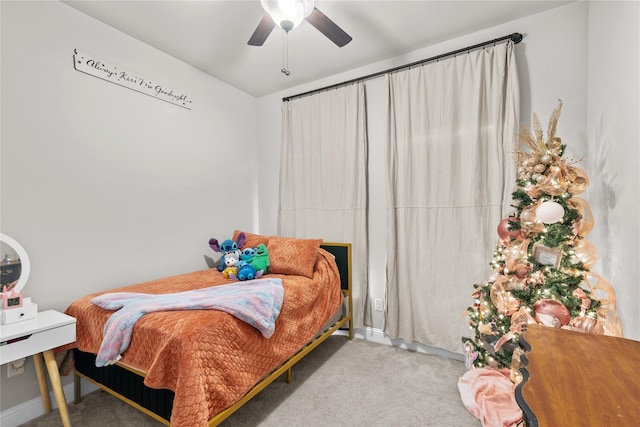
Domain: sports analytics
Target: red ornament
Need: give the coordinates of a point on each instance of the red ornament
(505, 231)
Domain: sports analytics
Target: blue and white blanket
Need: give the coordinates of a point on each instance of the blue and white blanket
(256, 302)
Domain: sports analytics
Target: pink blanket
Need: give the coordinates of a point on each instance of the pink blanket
(488, 394)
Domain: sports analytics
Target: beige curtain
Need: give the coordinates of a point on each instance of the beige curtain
(452, 127)
(323, 176)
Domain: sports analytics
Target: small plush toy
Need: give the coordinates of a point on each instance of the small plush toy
(246, 255)
(261, 259)
(231, 261)
(247, 272)
(227, 246)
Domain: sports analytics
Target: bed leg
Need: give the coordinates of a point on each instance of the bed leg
(289, 376)
(77, 392)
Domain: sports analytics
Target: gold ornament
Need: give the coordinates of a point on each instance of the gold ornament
(529, 223)
(539, 168)
(554, 182)
(578, 180)
(485, 328)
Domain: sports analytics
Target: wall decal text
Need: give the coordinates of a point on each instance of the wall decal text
(115, 74)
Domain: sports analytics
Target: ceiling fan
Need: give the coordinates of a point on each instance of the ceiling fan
(288, 14)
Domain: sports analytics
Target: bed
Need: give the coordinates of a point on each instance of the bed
(196, 367)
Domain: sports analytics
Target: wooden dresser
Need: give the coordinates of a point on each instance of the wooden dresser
(577, 379)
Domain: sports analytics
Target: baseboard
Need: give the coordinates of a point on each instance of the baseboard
(33, 408)
(378, 336)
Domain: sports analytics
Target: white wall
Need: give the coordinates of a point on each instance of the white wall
(553, 63)
(105, 186)
(613, 154)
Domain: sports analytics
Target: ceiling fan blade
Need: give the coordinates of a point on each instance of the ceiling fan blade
(262, 31)
(329, 28)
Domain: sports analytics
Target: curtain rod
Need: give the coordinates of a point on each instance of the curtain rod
(514, 37)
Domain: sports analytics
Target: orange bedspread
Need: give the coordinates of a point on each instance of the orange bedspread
(210, 359)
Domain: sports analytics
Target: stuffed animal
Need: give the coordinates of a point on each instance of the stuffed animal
(231, 261)
(247, 272)
(225, 247)
(246, 255)
(261, 259)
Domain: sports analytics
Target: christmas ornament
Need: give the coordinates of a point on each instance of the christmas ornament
(469, 355)
(528, 215)
(550, 312)
(550, 212)
(585, 302)
(578, 180)
(522, 271)
(486, 328)
(505, 230)
(529, 221)
(554, 183)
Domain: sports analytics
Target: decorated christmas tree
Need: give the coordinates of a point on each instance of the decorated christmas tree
(542, 262)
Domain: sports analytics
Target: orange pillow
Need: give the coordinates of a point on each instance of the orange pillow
(253, 240)
(288, 255)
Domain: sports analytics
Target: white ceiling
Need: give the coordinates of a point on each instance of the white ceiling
(212, 35)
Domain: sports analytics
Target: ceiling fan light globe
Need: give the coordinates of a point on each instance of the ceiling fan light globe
(286, 25)
(288, 14)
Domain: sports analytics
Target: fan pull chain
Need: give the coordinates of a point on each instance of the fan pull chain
(285, 54)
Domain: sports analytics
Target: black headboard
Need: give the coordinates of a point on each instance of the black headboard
(342, 252)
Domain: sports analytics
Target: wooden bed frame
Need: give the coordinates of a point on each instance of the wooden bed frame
(127, 384)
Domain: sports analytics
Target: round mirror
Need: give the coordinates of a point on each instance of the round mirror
(14, 264)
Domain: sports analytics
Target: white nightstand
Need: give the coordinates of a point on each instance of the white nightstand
(37, 337)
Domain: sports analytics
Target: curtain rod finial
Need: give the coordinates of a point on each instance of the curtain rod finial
(516, 38)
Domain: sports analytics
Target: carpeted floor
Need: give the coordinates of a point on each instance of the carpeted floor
(341, 383)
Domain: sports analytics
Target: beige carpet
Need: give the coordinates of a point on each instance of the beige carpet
(341, 383)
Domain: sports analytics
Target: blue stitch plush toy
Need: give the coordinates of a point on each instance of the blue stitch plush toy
(226, 247)
(246, 269)
(246, 255)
